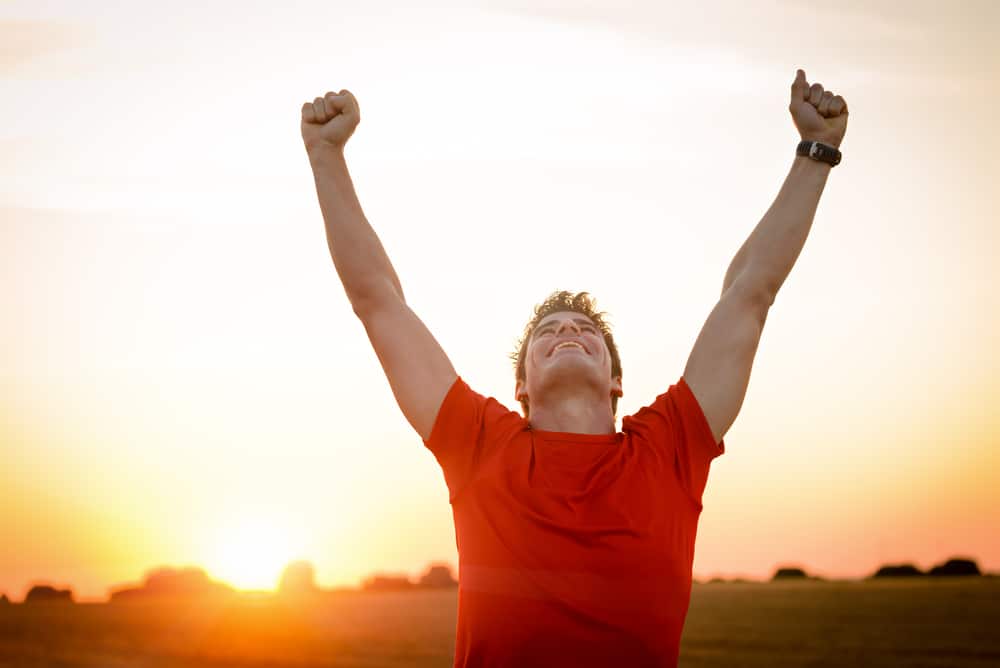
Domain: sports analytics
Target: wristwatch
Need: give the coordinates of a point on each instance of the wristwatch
(819, 152)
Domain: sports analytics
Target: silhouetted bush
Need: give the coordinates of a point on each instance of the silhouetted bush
(298, 578)
(897, 570)
(789, 573)
(956, 567)
(438, 576)
(387, 583)
(47, 594)
(173, 583)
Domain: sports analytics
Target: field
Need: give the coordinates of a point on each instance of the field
(893, 622)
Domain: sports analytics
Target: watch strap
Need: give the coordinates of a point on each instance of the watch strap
(818, 151)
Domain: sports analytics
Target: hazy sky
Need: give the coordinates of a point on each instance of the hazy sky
(182, 380)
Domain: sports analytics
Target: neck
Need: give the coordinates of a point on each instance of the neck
(573, 414)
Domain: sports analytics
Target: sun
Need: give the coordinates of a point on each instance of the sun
(252, 553)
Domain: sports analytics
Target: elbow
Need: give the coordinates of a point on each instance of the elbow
(364, 307)
(761, 293)
(374, 298)
(753, 285)
(757, 295)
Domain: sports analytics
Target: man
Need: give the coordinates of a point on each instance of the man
(575, 541)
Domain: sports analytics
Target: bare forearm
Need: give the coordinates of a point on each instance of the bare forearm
(768, 254)
(358, 255)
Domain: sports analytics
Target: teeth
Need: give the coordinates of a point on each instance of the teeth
(568, 343)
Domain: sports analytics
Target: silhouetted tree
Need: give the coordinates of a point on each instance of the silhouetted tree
(47, 594)
(298, 578)
(789, 573)
(956, 567)
(897, 570)
(438, 576)
(4, 600)
(379, 582)
(173, 583)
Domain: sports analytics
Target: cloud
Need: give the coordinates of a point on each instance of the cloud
(904, 44)
(23, 42)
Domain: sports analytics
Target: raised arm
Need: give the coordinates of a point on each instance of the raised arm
(718, 369)
(418, 370)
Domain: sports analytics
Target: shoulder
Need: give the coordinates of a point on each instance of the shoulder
(466, 413)
(674, 413)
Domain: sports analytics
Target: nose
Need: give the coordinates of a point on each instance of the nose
(566, 323)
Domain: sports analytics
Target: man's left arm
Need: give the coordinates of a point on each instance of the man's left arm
(718, 369)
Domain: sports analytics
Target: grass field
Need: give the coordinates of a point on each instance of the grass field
(904, 622)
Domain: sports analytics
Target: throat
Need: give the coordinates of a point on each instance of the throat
(574, 415)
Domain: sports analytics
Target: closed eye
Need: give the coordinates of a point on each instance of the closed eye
(548, 329)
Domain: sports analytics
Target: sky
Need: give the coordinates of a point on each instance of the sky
(182, 379)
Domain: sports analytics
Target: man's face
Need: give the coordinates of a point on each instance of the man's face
(567, 347)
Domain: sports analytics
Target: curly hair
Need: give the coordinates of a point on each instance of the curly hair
(563, 300)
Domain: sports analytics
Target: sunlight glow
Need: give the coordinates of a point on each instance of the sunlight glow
(183, 380)
(253, 553)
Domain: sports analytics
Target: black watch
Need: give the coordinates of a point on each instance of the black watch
(817, 151)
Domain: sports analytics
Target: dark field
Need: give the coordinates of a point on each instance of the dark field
(927, 622)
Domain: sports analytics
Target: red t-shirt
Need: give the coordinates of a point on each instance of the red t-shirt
(574, 549)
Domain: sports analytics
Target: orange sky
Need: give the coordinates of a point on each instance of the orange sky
(182, 380)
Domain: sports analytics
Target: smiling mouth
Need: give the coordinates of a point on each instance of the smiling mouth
(567, 345)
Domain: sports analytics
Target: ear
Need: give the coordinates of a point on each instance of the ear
(520, 391)
(616, 386)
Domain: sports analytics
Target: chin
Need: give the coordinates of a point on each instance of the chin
(575, 372)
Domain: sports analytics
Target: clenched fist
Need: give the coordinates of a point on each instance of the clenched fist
(329, 120)
(818, 114)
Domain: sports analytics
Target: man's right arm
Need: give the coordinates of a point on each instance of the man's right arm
(419, 372)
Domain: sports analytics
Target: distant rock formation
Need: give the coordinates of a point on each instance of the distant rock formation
(4, 600)
(438, 576)
(382, 582)
(47, 594)
(897, 570)
(789, 574)
(298, 578)
(173, 583)
(956, 566)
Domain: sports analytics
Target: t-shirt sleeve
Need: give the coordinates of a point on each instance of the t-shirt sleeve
(468, 430)
(676, 422)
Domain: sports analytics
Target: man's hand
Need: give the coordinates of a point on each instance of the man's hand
(818, 114)
(329, 121)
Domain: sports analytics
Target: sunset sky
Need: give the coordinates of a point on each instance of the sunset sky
(182, 379)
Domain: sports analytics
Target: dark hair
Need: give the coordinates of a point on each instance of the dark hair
(563, 300)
